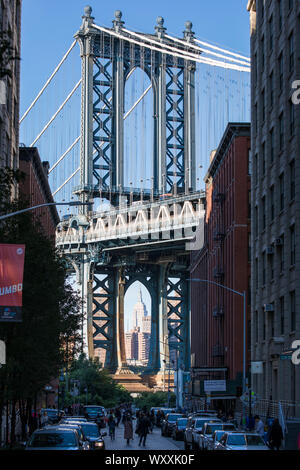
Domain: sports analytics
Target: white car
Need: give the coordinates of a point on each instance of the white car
(241, 441)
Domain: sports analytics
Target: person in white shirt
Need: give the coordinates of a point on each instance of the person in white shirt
(260, 427)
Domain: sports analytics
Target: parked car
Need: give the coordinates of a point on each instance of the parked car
(207, 431)
(215, 438)
(241, 441)
(73, 419)
(194, 428)
(179, 428)
(94, 437)
(55, 439)
(169, 423)
(165, 412)
(53, 414)
(92, 412)
(77, 428)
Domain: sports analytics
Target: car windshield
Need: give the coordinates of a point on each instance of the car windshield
(173, 417)
(253, 440)
(181, 422)
(213, 427)
(90, 430)
(50, 412)
(199, 423)
(236, 440)
(53, 439)
(94, 411)
(218, 435)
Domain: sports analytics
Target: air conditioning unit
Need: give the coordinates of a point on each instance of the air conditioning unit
(270, 250)
(278, 242)
(269, 307)
(218, 311)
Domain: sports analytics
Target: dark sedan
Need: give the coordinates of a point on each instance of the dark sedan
(169, 423)
(179, 428)
(93, 435)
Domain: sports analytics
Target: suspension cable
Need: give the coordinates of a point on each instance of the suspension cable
(56, 113)
(64, 154)
(223, 50)
(48, 81)
(185, 55)
(65, 182)
(181, 41)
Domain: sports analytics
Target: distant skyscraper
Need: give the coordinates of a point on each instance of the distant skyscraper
(137, 340)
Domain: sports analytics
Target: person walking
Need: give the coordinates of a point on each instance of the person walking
(143, 429)
(44, 419)
(128, 428)
(275, 435)
(118, 416)
(259, 428)
(111, 426)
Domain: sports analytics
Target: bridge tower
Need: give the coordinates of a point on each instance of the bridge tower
(107, 266)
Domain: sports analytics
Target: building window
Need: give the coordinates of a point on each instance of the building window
(293, 245)
(272, 205)
(264, 324)
(292, 118)
(281, 132)
(291, 52)
(292, 180)
(263, 212)
(263, 109)
(255, 117)
(263, 159)
(249, 246)
(271, 33)
(264, 268)
(281, 192)
(249, 162)
(281, 254)
(271, 260)
(249, 204)
(256, 221)
(271, 81)
(272, 145)
(281, 303)
(255, 168)
(279, 15)
(280, 65)
(293, 310)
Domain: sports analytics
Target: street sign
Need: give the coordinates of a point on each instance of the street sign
(256, 367)
(245, 398)
(285, 357)
(215, 385)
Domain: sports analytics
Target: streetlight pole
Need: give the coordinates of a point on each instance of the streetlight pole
(242, 294)
(71, 203)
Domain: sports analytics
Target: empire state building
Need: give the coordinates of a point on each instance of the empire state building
(137, 341)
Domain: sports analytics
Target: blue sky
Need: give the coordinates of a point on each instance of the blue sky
(48, 28)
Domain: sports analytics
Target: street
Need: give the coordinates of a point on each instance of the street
(155, 441)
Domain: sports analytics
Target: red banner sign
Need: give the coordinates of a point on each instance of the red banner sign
(11, 282)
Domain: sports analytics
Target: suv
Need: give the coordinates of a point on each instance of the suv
(194, 428)
(169, 423)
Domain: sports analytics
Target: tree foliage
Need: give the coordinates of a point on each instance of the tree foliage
(154, 399)
(96, 385)
(51, 312)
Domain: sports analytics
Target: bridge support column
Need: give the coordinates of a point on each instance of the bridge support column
(87, 299)
(121, 354)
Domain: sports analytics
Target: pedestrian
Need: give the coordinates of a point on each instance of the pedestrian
(259, 428)
(275, 435)
(118, 416)
(143, 429)
(111, 426)
(128, 428)
(44, 419)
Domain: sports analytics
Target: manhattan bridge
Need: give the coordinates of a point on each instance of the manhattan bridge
(131, 138)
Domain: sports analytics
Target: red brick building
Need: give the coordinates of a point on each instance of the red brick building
(35, 188)
(216, 313)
